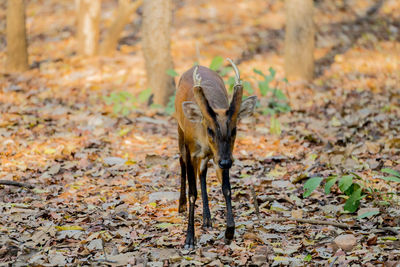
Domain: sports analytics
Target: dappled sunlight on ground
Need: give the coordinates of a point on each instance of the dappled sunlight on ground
(106, 172)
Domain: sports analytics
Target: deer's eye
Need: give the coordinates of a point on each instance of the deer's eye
(233, 133)
(210, 132)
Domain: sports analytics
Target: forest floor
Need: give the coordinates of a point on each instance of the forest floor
(105, 186)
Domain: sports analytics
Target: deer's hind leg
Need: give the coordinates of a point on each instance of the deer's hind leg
(182, 160)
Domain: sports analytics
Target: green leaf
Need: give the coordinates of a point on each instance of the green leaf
(247, 87)
(275, 127)
(390, 171)
(391, 179)
(259, 72)
(353, 202)
(311, 185)
(272, 72)
(345, 182)
(368, 214)
(279, 94)
(124, 131)
(125, 111)
(117, 108)
(144, 95)
(172, 73)
(391, 238)
(125, 95)
(351, 189)
(307, 258)
(113, 95)
(224, 71)
(329, 183)
(268, 111)
(216, 63)
(356, 175)
(281, 107)
(170, 108)
(230, 82)
(264, 87)
(155, 106)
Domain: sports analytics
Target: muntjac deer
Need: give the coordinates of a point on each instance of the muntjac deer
(207, 130)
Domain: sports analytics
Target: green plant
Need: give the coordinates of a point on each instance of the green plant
(354, 188)
(170, 108)
(123, 103)
(347, 184)
(217, 65)
(394, 175)
(277, 100)
(172, 73)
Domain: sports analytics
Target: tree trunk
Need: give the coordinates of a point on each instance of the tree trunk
(157, 16)
(88, 26)
(125, 9)
(299, 40)
(17, 53)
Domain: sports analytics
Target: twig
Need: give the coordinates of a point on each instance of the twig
(318, 222)
(333, 262)
(389, 229)
(105, 261)
(253, 194)
(120, 218)
(104, 249)
(14, 183)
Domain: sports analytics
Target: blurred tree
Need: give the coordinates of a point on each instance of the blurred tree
(17, 52)
(88, 26)
(157, 16)
(125, 9)
(299, 40)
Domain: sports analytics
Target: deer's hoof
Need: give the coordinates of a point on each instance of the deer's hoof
(189, 243)
(182, 208)
(229, 233)
(207, 225)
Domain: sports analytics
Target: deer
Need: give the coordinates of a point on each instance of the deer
(207, 130)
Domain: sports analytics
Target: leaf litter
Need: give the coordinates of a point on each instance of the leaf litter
(106, 187)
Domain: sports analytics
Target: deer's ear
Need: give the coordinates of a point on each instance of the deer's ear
(236, 102)
(247, 107)
(203, 103)
(192, 111)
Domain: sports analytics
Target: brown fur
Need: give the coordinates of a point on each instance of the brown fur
(213, 89)
(207, 129)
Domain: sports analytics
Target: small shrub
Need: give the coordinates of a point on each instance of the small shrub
(353, 187)
(123, 103)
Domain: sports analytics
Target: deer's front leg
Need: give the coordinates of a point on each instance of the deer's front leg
(226, 190)
(203, 181)
(190, 241)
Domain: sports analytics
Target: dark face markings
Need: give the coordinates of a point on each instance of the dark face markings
(221, 137)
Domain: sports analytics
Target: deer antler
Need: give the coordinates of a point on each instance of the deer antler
(237, 74)
(196, 77)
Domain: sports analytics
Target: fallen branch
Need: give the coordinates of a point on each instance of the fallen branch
(14, 183)
(389, 229)
(333, 262)
(317, 222)
(299, 220)
(253, 194)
